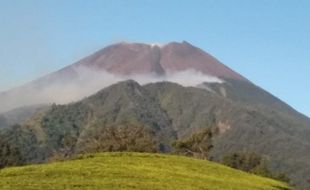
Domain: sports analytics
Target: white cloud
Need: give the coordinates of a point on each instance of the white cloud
(89, 82)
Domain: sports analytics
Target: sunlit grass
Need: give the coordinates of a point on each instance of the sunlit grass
(132, 171)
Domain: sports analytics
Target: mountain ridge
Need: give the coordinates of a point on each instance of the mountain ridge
(168, 112)
(165, 59)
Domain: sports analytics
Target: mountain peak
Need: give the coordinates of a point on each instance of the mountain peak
(139, 58)
(152, 44)
(123, 61)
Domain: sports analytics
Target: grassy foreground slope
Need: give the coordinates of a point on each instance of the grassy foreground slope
(132, 171)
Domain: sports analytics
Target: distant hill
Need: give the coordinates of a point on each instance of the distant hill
(133, 171)
(19, 115)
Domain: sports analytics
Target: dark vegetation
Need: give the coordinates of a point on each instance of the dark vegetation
(118, 138)
(125, 115)
(9, 154)
(253, 163)
(197, 145)
(135, 138)
(121, 138)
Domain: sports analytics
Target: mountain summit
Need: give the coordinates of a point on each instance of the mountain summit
(138, 58)
(119, 62)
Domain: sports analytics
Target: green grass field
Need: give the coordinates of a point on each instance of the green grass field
(107, 171)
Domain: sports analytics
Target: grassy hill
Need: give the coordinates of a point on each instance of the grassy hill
(132, 171)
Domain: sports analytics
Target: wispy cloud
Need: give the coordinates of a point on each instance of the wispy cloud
(87, 83)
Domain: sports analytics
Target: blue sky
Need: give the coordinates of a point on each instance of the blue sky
(267, 41)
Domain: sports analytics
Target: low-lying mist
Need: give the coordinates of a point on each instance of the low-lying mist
(87, 83)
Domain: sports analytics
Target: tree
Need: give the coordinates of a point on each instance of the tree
(133, 138)
(253, 163)
(246, 161)
(9, 154)
(197, 145)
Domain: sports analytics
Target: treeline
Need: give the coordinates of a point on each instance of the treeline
(253, 163)
(119, 138)
(10, 154)
(141, 138)
(199, 145)
(113, 138)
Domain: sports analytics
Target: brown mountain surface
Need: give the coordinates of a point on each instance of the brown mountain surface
(138, 58)
(83, 78)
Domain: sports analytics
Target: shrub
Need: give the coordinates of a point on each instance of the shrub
(253, 163)
(133, 138)
(9, 154)
(197, 145)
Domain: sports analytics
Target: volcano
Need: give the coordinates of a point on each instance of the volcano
(123, 60)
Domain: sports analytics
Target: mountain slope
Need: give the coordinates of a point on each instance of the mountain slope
(168, 112)
(138, 58)
(19, 115)
(133, 171)
(113, 63)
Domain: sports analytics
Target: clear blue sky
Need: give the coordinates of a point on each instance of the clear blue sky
(267, 41)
